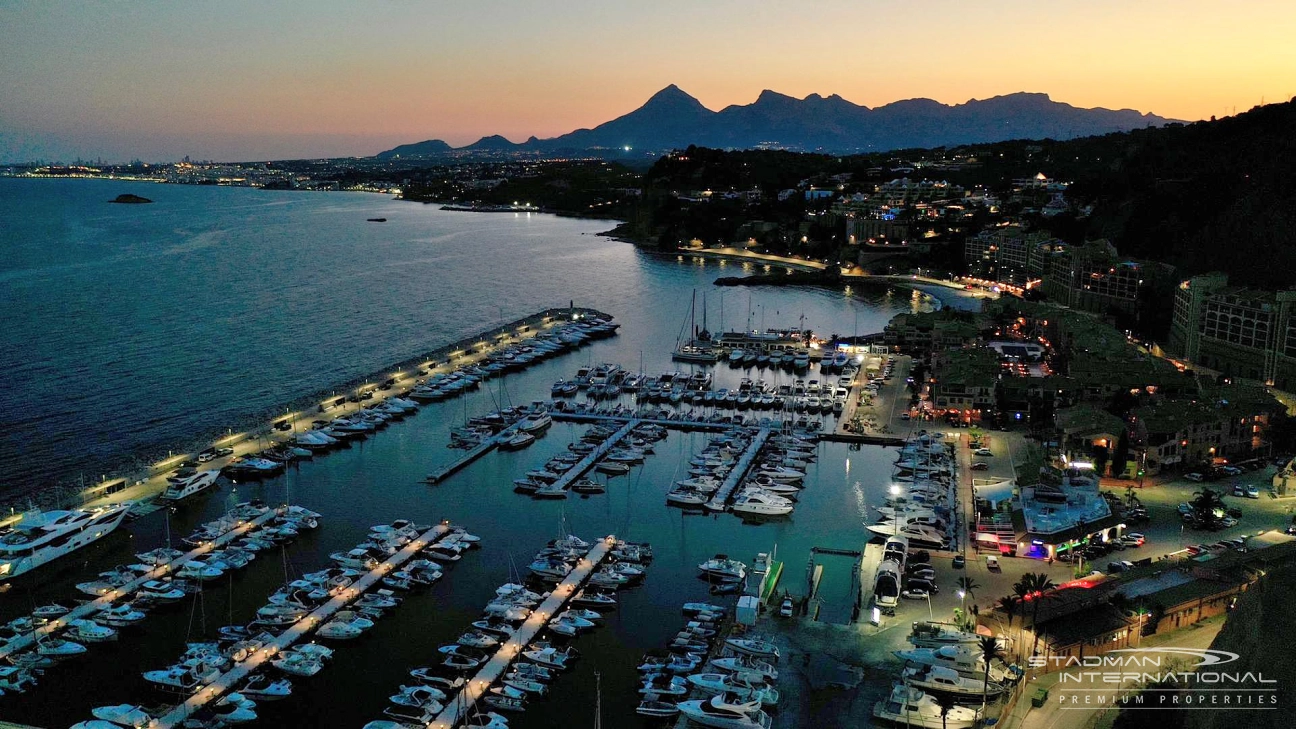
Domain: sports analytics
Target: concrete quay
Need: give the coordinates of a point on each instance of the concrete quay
(144, 483)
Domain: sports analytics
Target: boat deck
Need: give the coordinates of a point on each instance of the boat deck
(495, 668)
(720, 499)
(231, 678)
(93, 607)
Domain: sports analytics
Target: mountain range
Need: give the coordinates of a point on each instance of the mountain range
(672, 119)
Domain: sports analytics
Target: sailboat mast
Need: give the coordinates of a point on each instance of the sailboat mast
(598, 700)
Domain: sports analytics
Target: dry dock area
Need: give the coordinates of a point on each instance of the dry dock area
(493, 669)
(228, 680)
(93, 607)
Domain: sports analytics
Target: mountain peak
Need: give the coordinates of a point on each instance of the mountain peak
(671, 96)
(773, 97)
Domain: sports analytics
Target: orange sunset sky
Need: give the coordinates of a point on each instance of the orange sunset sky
(264, 80)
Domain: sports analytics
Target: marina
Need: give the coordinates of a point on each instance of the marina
(297, 631)
(160, 571)
(494, 669)
(383, 471)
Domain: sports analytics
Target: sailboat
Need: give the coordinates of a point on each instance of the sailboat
(695, 347)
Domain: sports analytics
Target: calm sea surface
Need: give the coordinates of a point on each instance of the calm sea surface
(132, 329)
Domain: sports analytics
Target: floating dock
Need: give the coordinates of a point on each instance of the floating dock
(664, 422)
(477, 451)
(227, 681)
(585, 464)
(720, 500)
(94, 607)
(495, 668)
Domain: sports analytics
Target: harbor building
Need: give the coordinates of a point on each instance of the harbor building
(1235, 331)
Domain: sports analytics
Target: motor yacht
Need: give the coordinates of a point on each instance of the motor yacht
(262, 688)
(726, 712)
(723, 567)
(182, 487)
(88, 631)
(761, 502)
(127, 715)
(745, 686)
(914, 708)
(40, 537)
(947, 680)
(963, 659)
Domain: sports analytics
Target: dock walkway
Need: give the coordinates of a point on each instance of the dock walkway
(495, 668)
(231, 678)
(94, 607)
(585, 464)
(720, 500)
(664, 422)
(477, 451)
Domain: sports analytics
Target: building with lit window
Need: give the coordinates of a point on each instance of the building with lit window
(1235, 331)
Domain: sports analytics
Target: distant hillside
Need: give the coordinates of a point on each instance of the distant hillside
(672, 119)
(430, 148)
(1206, 196)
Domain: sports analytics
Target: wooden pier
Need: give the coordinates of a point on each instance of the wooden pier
(511, 650)
(227, 681)
(720, 500)
(94, 607)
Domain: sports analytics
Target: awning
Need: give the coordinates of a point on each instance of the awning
(994, 492)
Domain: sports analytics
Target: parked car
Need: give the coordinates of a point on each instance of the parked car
(980, 466)
(785, 610)
(1135, 538)
(1116, 568)
(959, 562)
(1231, 470)
(983, 452)
(1195, 477)
(992, 563)
(223, 452)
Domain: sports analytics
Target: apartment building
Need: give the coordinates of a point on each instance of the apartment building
(1236, 331)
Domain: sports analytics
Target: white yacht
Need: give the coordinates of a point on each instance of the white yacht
(962, 658)
(43, 536)
(886, 589)
(914, 708)
(182, 487)
(759, 501)
(726, 712)
(947, 680)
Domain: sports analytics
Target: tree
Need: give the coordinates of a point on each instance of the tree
(990, 651)
(1120, 454)
(1100, 460)
(1206, 505)
(1034, 588)
(966, 586)
(946, 702)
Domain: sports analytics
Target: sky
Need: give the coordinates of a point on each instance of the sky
(251, 80)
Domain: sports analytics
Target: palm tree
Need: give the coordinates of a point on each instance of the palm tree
(1034, 587)
(1009, 604)
(1204, 504)
(966, 586)
(989, 646)
(945, 702)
